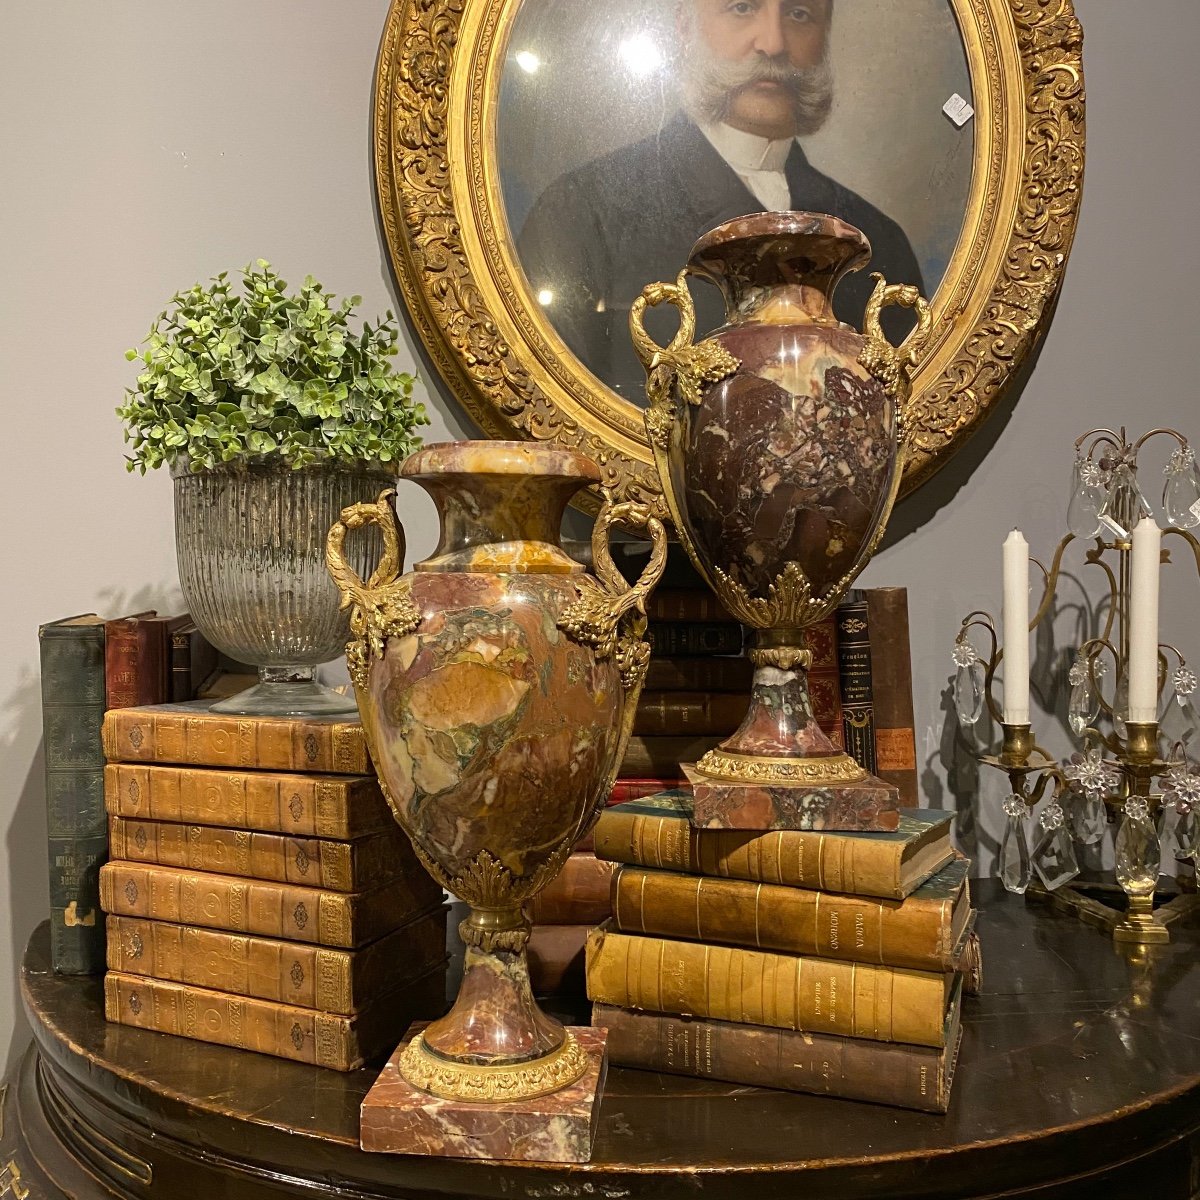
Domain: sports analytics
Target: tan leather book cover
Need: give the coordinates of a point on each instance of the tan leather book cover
(656, 831)
(580, 894)
(786, 991)
(300, 914)
(923, 931)
(338, 981)
(891, 688)
(316, 805)
(351, 866)
(917, 1077)
(683, 714)
(555, 954)
(190, 735)
(283, 1030)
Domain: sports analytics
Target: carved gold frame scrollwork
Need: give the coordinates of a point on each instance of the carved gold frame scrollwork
(439, 195)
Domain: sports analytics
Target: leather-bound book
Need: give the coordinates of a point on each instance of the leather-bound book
(137, 659)
(925, 931)
(689, 638)
(687, 604)
(354, 866)
(633, 788)
(555, 954)
(338, 981)
(580, 894)
(657, 832)
(854, 662)
(660, 757)
(824, 679)
(283, 1030)
(917, 1077)
(892, 692)
(189, 734)
(689, 714)
(301, 914)
(72, 662)
(317, 805)
(705, 673)
(786, 991)
(193, 662)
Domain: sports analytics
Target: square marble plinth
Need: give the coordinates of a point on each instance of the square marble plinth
(868, 804)
(398, 1118)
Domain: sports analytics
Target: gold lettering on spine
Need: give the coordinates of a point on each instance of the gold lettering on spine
(241, 850)
(328, 1048)
(333, 981)
(334, 916)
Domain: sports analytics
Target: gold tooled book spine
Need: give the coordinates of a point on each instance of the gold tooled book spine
(282, 1030)
(885, 1004)
(792, 858)
(342, 1043)
(224, 902)
(301, 914)
(273, 802)
(186, 735)
(329, 980)
(914, 933)
(306, 862)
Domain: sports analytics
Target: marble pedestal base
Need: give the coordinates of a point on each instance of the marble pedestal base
(868, 804)
(398, 1118)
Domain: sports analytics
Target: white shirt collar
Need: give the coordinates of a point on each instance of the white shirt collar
(745, 152)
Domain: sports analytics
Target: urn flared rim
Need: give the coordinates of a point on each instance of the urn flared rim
(799, 246)
(500, 458)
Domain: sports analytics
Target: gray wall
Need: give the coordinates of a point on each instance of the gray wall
(148, 145)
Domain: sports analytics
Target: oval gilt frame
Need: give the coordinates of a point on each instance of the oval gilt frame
(439, 196)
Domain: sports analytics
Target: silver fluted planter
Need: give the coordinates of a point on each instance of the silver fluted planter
(250, 543)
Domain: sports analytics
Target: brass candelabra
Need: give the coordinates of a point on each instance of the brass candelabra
(1113, 779)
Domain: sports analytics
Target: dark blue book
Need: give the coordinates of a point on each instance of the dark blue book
(72, 656)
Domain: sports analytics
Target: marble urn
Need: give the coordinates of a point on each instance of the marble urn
(779, 442)
(496, 682)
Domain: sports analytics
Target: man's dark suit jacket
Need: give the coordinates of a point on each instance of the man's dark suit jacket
(597, 235)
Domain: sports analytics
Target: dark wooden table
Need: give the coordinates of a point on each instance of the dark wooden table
(1079, 1077)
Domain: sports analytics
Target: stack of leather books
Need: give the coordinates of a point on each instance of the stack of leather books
(816, 962)
(259, 893)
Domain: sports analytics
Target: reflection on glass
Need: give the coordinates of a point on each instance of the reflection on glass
(625, 130)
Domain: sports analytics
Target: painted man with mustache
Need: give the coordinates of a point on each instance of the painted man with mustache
(754, 78)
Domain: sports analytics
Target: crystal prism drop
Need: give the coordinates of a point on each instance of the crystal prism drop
(1087, 498)
(968, 692)
(1084, 706)
(1181, 499)
(1138, 855)
(1187, 833)
(1015, 869)
(1054, 858)
(1120, 706)
(1125, 505)
(1089, 819)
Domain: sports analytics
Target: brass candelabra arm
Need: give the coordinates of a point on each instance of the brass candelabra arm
(1019, 758)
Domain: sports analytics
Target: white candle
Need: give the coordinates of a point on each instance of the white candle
(1143, 623)
(1016, 629)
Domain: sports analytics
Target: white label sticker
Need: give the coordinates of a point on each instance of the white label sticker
(958, 110)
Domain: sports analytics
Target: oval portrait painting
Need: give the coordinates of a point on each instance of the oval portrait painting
(625, 130)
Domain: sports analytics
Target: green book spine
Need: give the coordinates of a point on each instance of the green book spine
(854, 666)
(72, 659)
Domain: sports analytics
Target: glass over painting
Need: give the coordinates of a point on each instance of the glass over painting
(608, 174)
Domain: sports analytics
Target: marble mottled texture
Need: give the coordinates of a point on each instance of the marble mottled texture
(866, 805)
(779, 722)
(790, 458)
(400, 1119)
(494, 732)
